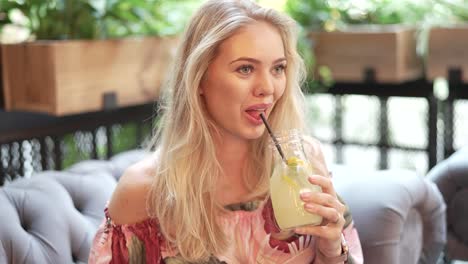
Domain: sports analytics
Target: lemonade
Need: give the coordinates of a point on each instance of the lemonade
(288, 181)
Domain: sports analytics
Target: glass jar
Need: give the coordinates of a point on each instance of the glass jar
(289, 180)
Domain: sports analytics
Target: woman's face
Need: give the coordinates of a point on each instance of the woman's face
(246, 78)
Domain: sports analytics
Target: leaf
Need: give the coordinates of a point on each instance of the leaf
(94, 19)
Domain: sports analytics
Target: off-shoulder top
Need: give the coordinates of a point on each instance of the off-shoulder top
(248, 226)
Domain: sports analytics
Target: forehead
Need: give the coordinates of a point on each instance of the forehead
(258, 40)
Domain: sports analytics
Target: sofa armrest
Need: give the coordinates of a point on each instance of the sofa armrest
(399, 215)
(52, 217)
(451, 177)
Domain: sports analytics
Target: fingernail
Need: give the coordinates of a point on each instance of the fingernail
(306, 195)
(310, 206)
(315, 177)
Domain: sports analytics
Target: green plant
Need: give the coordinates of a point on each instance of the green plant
(323, 73)
(387, 12)
(311, 14)
(450, 11)
(95, 19)
(74, 148)
(78, 146)
(4, 9)
(330, 15)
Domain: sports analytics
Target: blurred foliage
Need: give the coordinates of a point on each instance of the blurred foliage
(124, 137)
(330, 15)
(96, 19)
(78, 146)
(311, 14)
(449, 11)
(312, 84)
(75, 148)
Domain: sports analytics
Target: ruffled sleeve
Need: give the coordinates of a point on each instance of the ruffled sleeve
(354, 244)
(118, 244)
(352, 238)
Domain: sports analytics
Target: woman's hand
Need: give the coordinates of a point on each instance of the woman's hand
(327, 205)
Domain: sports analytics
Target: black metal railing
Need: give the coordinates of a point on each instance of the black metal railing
(34, 142)
(436, 110)
(383, 91)
(458, 90)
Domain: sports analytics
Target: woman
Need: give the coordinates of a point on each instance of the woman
(203, 196)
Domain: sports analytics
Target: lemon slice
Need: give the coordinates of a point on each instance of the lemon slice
(295, 161)
(292, 183)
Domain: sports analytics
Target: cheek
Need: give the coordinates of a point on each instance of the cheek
(225, 92)
(234, 90)
(279, 91)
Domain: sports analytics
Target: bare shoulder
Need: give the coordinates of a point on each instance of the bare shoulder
(314, 152)
(128, 202)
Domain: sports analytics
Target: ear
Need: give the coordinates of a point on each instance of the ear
(201, 87)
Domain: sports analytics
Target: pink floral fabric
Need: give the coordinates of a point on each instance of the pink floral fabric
(250, 234)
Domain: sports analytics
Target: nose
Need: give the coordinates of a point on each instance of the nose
(265, 85)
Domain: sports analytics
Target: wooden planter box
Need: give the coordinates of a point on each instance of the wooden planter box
(389, 50)
(447, 49)
(68, 77)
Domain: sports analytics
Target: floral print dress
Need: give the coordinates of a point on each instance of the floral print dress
(249, 226)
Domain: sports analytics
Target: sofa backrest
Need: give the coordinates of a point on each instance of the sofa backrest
(53, 216)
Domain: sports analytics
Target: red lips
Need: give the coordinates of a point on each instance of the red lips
(254, 114)
(254, 111)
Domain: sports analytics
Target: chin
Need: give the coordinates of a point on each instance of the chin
(254, 133)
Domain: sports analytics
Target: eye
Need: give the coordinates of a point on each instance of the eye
(279, 69)
(245, 69)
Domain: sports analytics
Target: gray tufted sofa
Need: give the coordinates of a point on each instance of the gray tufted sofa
(400, 216)
(52, 217)
(451, 176)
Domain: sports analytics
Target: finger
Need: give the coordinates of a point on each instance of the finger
(330, 214)
(324, 182)
(327, 232)
(323, 199)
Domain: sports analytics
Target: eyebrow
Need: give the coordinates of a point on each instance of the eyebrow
(252, 60)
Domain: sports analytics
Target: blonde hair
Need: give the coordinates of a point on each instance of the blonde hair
(182, 197)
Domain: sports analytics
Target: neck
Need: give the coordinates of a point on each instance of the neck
(232, 155)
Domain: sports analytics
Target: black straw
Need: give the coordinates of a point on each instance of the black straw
(273, 137)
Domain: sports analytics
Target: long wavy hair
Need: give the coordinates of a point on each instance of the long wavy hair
(182, 197)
